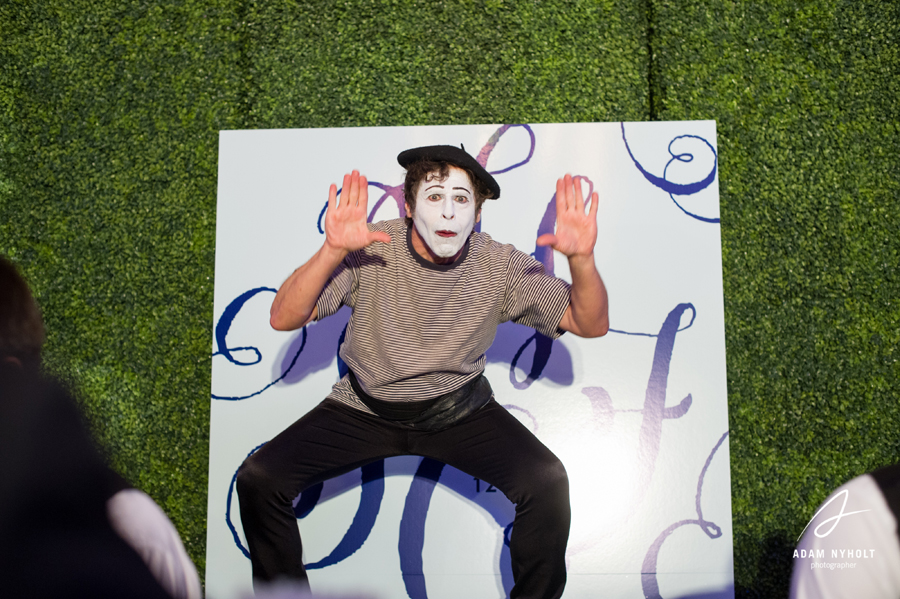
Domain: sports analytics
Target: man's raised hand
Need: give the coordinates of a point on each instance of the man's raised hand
(576, 232)
(345, 219)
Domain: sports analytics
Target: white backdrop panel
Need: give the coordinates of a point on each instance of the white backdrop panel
(639, 417)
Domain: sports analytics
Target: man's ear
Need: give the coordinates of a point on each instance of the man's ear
(478, 216)
(409, 212)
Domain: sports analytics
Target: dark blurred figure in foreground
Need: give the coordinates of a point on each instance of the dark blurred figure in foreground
(55, 537)
(131, 513)
(21, 327)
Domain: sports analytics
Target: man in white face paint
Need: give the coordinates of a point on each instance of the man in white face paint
(427, 294)
(446, 213)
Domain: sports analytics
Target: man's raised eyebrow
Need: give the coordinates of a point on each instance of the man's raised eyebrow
(435, 185)
(464, 189)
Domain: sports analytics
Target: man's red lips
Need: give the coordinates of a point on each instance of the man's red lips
(446, 233)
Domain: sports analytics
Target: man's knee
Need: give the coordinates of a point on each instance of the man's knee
(543, 480)
(552, 477)
(254, 479)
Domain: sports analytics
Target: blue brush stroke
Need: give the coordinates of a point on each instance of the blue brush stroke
(655, 410)
(343, 369)
(225, 322)
(222, 327)
(687, 326)
(308, 500)
(372, 492)
(530, 151)
(543, 347)
(674, 189)
(649, 583)
(412, 526)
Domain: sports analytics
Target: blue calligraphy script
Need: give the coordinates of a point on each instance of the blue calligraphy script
(649, 584)
(221, 333)
(679, 189)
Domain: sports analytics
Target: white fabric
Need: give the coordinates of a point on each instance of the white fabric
(870, 564)
(145, 527)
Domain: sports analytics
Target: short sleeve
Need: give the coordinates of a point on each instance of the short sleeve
(534, 298)
(340, 290)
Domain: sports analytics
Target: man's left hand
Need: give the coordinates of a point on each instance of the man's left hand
(576, 231)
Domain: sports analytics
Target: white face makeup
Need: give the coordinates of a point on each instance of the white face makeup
(445, 212)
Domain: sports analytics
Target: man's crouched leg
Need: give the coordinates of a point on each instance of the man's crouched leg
(329, 440)
(494, 446)
(540, 532)
(269, 522)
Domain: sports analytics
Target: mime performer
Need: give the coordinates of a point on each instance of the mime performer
(427, 295)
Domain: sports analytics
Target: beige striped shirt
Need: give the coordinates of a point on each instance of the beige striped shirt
(420, 329)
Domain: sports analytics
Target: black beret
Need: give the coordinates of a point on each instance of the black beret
(451, 155)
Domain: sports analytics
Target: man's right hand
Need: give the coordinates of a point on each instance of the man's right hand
(345, 231)
(345, 220)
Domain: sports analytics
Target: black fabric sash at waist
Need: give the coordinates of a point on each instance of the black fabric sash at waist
(432, 414)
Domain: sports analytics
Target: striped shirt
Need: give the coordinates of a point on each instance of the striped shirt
(420, 329)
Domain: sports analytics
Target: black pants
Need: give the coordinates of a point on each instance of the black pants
(333, 439)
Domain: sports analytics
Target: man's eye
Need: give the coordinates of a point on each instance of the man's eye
(462, 199)
(434, 197)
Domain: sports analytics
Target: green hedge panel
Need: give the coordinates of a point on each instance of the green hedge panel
(383, 62)
(805, 96)
(110, 113)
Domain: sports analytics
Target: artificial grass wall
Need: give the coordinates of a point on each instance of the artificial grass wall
(109, 117)
(323, 64)
(806, 99)
(109, 113)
